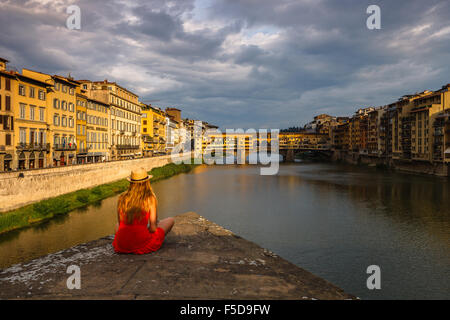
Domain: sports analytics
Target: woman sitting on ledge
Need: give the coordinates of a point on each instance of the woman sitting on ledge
(138, 230)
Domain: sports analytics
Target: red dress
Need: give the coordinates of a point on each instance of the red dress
(136, 238)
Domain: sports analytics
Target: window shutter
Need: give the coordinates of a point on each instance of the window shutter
(7, 103)
(12, 123)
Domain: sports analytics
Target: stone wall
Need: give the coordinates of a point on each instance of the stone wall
(39, 184)
(438, 169)
(422, 167)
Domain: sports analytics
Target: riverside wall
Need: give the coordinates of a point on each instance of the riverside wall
(421, 167)
(18, 189)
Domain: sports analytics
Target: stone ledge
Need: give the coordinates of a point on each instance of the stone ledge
(199, 260)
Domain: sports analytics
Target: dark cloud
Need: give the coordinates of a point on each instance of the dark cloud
(240, 63)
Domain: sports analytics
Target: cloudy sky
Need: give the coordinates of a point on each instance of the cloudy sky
(239, 63)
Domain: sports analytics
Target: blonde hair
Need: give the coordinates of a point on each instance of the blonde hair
(139, 197)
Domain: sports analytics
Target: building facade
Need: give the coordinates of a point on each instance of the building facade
(61, 116)
(81, 117)
(32, 133)
(98, 131)
(125, 117)
(7, 137)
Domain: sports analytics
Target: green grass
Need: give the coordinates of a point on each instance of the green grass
(47, 209)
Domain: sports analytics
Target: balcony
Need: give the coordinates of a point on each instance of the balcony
(64, 147)
(126, 146)
(33, 146)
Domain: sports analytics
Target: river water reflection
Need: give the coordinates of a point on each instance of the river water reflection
(333, 220)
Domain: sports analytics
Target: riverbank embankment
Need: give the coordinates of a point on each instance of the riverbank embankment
(49, 208)
(18, 189)
(411, 166)
(198, 260)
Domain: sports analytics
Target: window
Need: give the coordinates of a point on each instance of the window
(8, 84)
(63, 105)
(32, 108)
(21, 90)
(71, 107)
(8, 139)
(41, 114)
(41, 137)
(22, 135)
(22, 111)
(7, 103)
(71, 122)
(85, 86)
(56, 86)
(56, 103)
(31, 92)
(71, 91)
(63, 121)
(33, 136)
(56, 120)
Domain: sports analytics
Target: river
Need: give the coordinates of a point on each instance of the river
(330, 219)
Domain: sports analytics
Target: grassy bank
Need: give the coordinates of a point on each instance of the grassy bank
(49, 208)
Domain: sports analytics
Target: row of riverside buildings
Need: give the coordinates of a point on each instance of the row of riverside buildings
(51, 120)
(414, 129)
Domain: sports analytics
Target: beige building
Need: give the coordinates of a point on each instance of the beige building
(97, 131)
(125, 117)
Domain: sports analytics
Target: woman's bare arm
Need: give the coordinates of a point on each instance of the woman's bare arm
(118, 222)
(153, 217)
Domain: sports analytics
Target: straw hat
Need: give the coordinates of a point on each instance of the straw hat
(139, 175)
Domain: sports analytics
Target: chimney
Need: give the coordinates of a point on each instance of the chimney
(3, 63)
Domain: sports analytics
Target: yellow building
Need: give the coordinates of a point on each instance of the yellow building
(32, 136)
(125, 117)
(425, 129)
(7, 139)
(97, 131)
(60, 116)
(147, 129)
(159, 131)
(81, 111)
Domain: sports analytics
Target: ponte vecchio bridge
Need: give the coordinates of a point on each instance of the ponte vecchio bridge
(289, 144)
